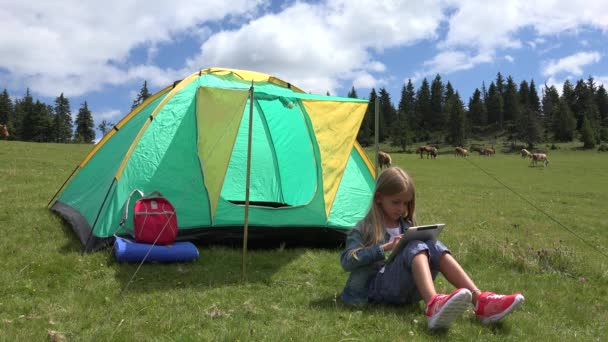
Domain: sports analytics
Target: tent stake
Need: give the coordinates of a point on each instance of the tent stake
(247, 183)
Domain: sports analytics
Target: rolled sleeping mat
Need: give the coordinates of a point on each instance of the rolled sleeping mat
(126, 250)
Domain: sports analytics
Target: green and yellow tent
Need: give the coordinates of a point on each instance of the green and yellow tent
(310, 179)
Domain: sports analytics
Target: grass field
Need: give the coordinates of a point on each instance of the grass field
(494, 228)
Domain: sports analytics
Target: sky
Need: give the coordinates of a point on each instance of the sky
(101, 52)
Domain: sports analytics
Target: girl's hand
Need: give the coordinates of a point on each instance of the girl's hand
(390, 245)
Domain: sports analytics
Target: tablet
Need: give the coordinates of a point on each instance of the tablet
(422, 233)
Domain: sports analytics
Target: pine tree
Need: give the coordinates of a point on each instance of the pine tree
(141, 96)
(63, 120)
(495, 106)
(511, 107)
(533, 99)
(388, 114)
(105, 126)
(500, 84)
(570, 97)
(563, 121)
(601, 100)
(587, 134)
(35, 122)
(436, 119)
(524, 95)
(591, 85)
(85, 133)
(365, 136)
(352, 93)
(6, 108)
(457, 121)
(423, 109)
(23, 111)
(530, 129)
(550, 102)
(477, 111)
(581, 96)
(49, 124)
(401, 135)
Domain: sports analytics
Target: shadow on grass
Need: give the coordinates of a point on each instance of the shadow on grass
(71, 244)
(500, 328)
(333, 302)
(215, 267)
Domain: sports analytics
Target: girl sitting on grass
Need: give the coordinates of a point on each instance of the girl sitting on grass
(410, 276)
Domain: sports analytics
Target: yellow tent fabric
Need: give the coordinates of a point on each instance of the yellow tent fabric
(335, 136)
(218, 114)
(252, 76)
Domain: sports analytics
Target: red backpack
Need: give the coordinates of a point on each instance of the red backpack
(154, 219)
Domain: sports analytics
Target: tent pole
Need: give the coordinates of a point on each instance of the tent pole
(247, 183)
(376, 132)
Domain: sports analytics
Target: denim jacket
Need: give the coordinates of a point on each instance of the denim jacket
(363, 268)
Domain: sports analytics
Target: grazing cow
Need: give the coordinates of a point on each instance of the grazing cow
(539, 157)
(384, 159)
(488, 151)
(431, 151)
(461, 152)
(4, 132)
(524, 153)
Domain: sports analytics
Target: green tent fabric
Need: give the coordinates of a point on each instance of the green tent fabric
(310, 180)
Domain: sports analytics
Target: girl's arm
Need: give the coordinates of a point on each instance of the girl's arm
(362, 256)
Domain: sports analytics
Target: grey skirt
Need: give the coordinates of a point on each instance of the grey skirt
(394, 284)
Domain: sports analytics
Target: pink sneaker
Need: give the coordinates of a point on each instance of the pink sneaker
(443, 309)
(491, 307)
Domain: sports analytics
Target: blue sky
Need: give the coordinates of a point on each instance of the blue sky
(102, 52)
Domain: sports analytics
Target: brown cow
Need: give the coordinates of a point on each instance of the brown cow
(384, 160)
(4, 132)
(431, 151)
(539, 157)
(488, 151)
(461, 152)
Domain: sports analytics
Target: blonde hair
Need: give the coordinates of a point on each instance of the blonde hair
(390, 182)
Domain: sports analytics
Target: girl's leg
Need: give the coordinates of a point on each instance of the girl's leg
(453, 272)
(422, 276)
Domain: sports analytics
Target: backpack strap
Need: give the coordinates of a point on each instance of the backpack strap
(125, 211)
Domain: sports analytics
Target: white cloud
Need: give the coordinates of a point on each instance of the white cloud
(75, 46)
(449, 61)
(364, 80)
(489, 26)
(113, 115)
(319, 46)
(601, 80)
(571, 64)
(509, 58)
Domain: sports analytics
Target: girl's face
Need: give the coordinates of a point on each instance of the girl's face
(394, 207)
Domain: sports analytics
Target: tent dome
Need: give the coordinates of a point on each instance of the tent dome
(309, 177)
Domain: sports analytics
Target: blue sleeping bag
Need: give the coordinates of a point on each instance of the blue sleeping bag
(126, 250)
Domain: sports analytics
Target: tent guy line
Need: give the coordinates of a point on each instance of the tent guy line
(538, 209)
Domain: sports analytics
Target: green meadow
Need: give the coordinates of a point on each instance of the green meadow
(540, 231)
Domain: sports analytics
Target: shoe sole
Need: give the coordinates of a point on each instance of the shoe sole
(519, 299)
(454, 308)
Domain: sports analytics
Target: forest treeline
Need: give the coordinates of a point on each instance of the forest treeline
(433, 113)
(32, 120)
